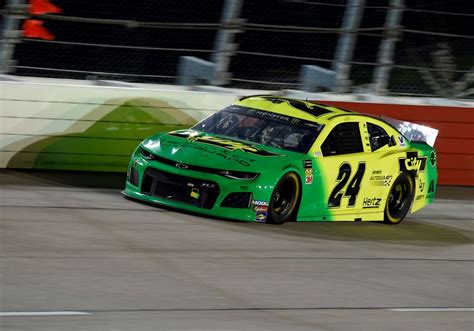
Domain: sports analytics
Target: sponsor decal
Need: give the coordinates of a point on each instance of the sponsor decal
(379, 179)
(308, 171)
(420, 197)
(208, 150)
(261, 213)
(401, 141)
(318, 154)
(228, 144)
(261, 217)
(413, 162)
(371, 203)
(195, 193)
(433, 158)
(276, 117)
(421, 185)
(260, 203)
(261, 210)
(431, 190)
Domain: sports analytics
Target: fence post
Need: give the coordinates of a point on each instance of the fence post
(386, 52)
(11, 33)
(223, 44)
(346, 44)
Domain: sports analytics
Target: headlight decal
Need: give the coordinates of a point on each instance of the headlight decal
(239, 175)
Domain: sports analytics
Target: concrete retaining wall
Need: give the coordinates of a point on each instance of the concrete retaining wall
(90, 127)
(74, 127)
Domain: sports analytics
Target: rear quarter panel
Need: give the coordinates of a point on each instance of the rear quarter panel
(382, 168)
(425, 178)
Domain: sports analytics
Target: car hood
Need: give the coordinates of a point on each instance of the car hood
(215, 151)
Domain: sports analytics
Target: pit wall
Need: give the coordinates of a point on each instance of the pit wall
(96, 128)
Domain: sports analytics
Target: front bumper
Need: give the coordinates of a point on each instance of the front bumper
(192, 191)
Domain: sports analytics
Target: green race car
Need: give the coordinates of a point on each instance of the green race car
(274, 159)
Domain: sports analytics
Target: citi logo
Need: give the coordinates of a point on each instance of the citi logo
(413, 163)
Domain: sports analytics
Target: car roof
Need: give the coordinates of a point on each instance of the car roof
(302, 109)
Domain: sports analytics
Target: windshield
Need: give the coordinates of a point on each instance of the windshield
(262, 127)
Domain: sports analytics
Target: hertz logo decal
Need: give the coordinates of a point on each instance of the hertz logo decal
(231, 145)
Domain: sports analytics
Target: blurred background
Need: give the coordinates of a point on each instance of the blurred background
(388, 47)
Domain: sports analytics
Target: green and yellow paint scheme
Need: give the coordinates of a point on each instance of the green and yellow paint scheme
(334, 179)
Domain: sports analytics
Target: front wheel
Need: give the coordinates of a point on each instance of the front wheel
(284, 200)
(399, 199)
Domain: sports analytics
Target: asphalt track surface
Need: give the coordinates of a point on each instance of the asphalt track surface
(69, 242)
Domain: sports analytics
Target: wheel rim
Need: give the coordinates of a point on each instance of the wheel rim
(398, 198)
(284, 198)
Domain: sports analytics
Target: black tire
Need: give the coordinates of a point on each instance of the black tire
(283, 205)
(399, 199)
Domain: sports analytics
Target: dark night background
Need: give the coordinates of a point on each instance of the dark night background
(413, 49)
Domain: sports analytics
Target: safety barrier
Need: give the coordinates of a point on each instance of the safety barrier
(94, 128)
(71, 127)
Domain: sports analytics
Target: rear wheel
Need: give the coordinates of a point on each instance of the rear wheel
(399, 199)
(284, 201)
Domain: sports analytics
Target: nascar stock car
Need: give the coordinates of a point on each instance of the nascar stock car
(273, 159)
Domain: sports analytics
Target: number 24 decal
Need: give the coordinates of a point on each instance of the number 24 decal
(352, 189)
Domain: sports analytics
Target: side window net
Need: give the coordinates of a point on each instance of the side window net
(343, 139)
(378, 137)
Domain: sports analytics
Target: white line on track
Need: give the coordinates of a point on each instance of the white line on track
(41, 313)
(431, 309)
(71, 313)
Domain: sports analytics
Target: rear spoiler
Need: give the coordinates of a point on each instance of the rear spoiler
(414, 132)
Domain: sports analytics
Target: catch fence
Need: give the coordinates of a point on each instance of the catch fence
(385, 47)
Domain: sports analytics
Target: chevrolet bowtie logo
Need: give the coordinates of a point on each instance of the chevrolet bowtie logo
(181, 165)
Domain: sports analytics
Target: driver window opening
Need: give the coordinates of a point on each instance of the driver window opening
(343, 139)
(378, 136)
